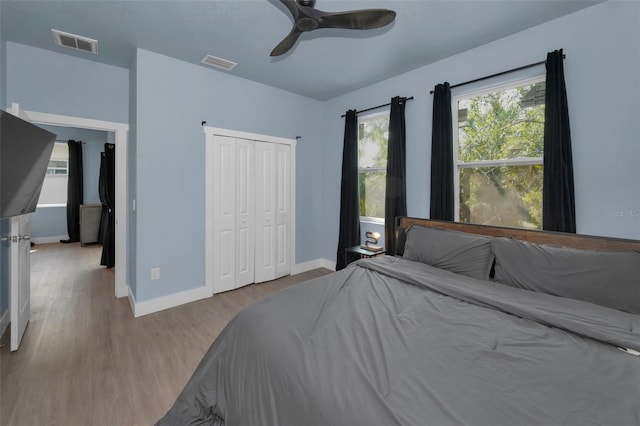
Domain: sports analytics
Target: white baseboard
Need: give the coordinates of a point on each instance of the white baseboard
(4, 322)
(49, 240)
(313, 264)
(165, 302)
(132, 301)
(171, 301)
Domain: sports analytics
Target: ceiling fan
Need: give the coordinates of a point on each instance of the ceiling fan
(307, 18)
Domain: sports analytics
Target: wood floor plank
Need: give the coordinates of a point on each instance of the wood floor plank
(85, 360)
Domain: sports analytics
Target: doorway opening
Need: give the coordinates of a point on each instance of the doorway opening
(49, 222)
(119, 136)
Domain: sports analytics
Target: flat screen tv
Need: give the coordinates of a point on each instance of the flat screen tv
(25, 150)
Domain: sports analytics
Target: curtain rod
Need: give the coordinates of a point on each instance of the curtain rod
(376, 107)
(499, 74)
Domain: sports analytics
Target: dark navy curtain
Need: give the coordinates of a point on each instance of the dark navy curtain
(395, 194)
(106, 189)
(102, 192)
(75, 194)
(441, 202)
(349, 201)
(558, 197)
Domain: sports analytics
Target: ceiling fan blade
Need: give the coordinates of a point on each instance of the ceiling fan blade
(358, 19)
(286, 44)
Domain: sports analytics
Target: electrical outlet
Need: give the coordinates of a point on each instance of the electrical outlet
(155, 273)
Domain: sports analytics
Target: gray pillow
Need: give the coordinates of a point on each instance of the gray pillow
(607, 278)
(459, 252)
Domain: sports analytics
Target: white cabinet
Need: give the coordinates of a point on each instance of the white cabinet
(249, 208)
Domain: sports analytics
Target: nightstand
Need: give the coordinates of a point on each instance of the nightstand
(357, 252)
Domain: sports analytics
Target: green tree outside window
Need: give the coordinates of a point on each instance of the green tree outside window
(373, 134)
(500, 148)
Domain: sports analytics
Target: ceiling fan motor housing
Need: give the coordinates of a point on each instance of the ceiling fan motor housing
(306, 24)
(307, 3)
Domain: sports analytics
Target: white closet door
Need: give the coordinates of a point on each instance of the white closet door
(265, 213)
(224, 214)
(245, 212)
(250, 205)
(282, 163)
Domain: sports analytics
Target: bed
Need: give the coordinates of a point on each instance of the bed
(466, 325)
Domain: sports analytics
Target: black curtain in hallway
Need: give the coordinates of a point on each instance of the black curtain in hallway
(102, 192)
(558, 197)
(106, 189)
(349, 203)
(441, 204)
(75, 191)
(395, 203)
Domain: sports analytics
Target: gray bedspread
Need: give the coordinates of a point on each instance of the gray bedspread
(392, 342)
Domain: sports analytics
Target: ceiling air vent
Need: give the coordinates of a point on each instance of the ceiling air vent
(214, 61)
(74, 41)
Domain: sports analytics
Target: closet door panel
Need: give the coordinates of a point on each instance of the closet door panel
(265, 254)
(224, 212)
(245, 212)
(282, 163)
(265, 212)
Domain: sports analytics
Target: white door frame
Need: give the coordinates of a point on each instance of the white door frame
(210, 132)
(120, 130)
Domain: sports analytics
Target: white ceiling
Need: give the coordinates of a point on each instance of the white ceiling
(324, 63)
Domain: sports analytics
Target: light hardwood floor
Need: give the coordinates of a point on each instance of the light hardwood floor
(85, 360)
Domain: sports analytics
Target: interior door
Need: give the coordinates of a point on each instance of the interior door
(282, 163)
(20, 277)
(265, 212)
(224, 214)
(245, 212)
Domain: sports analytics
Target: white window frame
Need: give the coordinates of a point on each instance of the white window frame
(65, 168)
(526, 161)
(369, 117)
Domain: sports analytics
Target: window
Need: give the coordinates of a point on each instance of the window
(58, 167)
(54, 187)
(498, 149)
(373, 133)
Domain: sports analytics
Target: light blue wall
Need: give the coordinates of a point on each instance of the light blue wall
(52, 221)
(49, 222)
(45, 81)
(173, 97)
(602, 70)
